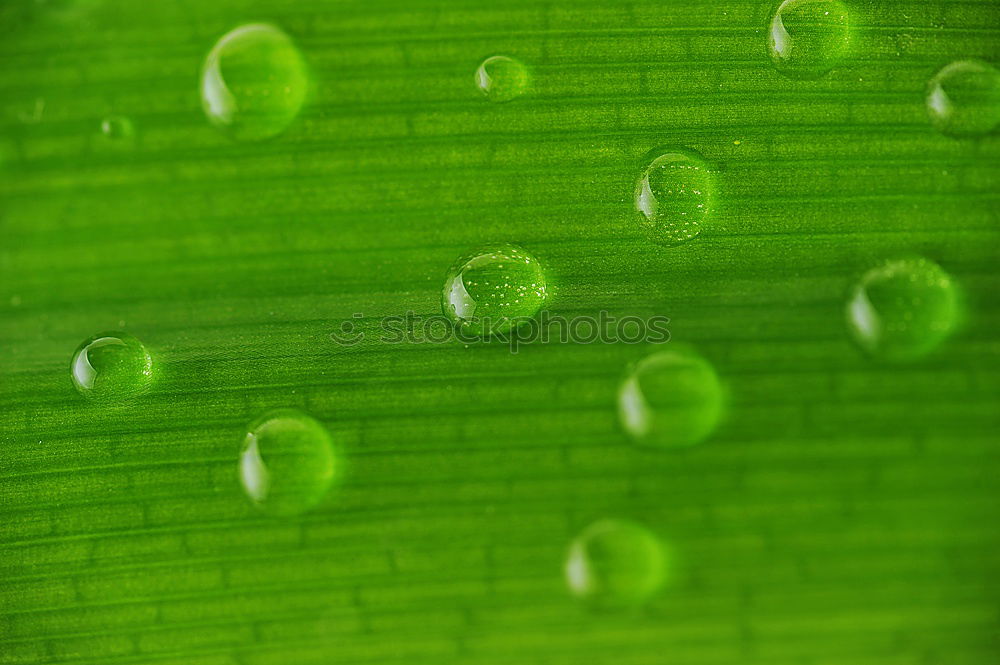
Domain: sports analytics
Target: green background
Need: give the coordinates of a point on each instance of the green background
(843, 514)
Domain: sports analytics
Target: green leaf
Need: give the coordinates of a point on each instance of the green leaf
(842, 512)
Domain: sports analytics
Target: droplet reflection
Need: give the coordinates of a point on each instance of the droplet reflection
(963, 99)
(808, 38)
(287, 464)
(671, 399)
(615, 564)
(502, 79)
(903, 309)
(493, 289)
(254, 82)
(111, 366)
(673, 195)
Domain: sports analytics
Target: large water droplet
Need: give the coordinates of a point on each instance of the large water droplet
(254, 82)
(111, 366)
(963, 98)
(616, 564)
(807, 38)
(671, 398)
(903, 309)
(502, 79)
(490, 290)
(287, 464)
(674, 195)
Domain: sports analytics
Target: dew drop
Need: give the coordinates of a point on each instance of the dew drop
(963, 98)
(287, 464)
(616, 564)
(493, 289)
(671, 399)
(254, 82)
(502, 79)
(117, 127)
(903, 309)
(807, 38)
(673, 195)
(112, 366)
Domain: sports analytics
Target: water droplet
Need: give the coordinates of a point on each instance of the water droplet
(674, 195)
(807, 38)
(963, 98)
(112, 365)
(671, 399)
(489, 290)
(903, 309)
(117, 127)
(616, 564)
(287, 464)
(502, 79)
(254, 82)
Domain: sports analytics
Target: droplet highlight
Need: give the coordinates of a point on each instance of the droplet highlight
(808, 38)
(502, 79)
(903, 309)
(117, 127)
(616, 564)
(671, 399)
(673, 195)
(254, 82)
(963, 99)
(287, 463)
(492, 290)
(112, 366)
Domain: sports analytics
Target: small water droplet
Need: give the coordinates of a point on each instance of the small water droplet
(616, 564)
(963, 98)
(117, 127)
(287, 464)
(807, 38)
(903, 309)
(671, 399)
(254, 82)
(111, 366)
(674, 195)
(502, 79)
(489, 290)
